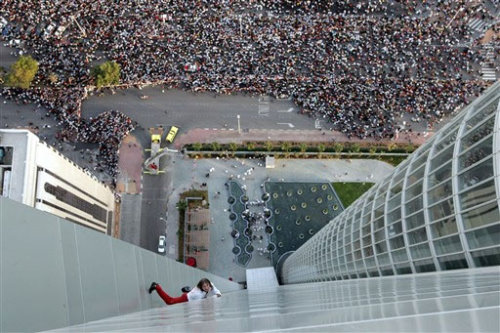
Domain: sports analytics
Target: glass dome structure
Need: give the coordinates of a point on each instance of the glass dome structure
(438, 210)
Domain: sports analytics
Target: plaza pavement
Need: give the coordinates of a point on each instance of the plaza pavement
(187, 173)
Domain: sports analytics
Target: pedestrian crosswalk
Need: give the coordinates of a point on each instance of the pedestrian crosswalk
(488, 70)
(477, 25)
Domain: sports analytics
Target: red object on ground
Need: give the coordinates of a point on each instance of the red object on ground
(190, 261)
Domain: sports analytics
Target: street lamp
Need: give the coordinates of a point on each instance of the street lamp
(239, 127)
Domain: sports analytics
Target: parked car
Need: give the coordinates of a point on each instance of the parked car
(162, 244)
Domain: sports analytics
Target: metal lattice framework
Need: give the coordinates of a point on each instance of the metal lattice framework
(438, 210)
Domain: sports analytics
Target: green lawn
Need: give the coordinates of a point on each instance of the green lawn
(349, 192)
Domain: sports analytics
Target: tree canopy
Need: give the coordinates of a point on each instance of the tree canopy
(107, 74)
(22, 72)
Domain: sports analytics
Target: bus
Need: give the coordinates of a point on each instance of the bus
(171, 134)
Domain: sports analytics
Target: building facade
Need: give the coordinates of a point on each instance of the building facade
(36, 174)
(437, 211)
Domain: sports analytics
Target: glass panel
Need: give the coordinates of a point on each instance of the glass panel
(478, 173)
(448, 245)
(456, 261)
(380, 235)
(397, 242)
(400, 255)
(424, 266)
(481, 216)
(381, 247)
(379, 211)
(440, 192)
(416, 176)
(477, 134)
(379, 223)
(386, 271)
(419, 162)
(403, 269)
(481, 115)
(484, 237)
(383, 259)
(414, 205)
(478, 195)
(394, 202)
(440, 175)
(442, 158)
(367, 240)
(441, 210)
(488, 257)
(444, 228)
(446, 141)
(420, 251)
(415, 220)
(475, 154)
(395, 189)
(417, 236)
(414, 191)
(394, 229)
(394, 216)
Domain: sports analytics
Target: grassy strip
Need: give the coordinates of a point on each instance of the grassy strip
(349, 192)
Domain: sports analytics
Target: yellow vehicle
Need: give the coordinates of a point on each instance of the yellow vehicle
(171, 134)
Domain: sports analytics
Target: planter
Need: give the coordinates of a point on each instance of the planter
(232, 216)
(271, 247)
(236, 250)
(319, 200)
(311, 232)
(335, 207)
(324, 187)
(244, 198)
(249, 249)
(329, 197)
(325, 211)
(278, 227)
(307, 218)
(267, 212)
(269, 229)
(231, 200)
(313, 189)
(277, 211)
(299, 191)
(265, 196)
(301, 236)
(280, 244)
(298, 222)
(289, 193)
(303, 205)
(293, 207)
(275, 195)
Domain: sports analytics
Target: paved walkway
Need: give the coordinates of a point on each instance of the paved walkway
(129, 178)
(228, 136)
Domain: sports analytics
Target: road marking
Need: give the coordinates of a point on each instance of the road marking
(317, 125)
(263, 105)
(288, 124)
(287, 111)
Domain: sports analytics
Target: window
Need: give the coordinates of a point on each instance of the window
(456, 261)
(440, 175)
(475, 175)
(444, 227)
(478, 195)
(400, 255)
(479, 216)
(415, 220)
(442, 209)
(448, 245)
(488, 257)
(424, 266)
(475, 154)
(420, 251)
(417, 236)
(484, 237)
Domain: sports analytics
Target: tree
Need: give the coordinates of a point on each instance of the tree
(107, 74)
(197, 146)
(356, 148)
(251, 146)
(303, 148)
(321, 148)
(339, 148)
(215, 146)
(285, 146)
(53, 78)
(373, 151)
(22, 72)
(269, 145)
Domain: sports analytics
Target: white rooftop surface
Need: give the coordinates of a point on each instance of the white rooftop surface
(261, 278)
(452, 301)
(18, 140)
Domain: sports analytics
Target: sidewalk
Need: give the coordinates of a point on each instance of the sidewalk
(228, 136)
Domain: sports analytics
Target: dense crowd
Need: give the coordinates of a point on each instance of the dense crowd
(358, 64)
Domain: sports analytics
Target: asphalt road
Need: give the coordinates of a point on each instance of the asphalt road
(199, 110)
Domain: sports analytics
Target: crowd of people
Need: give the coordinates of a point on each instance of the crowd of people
(359, 64)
